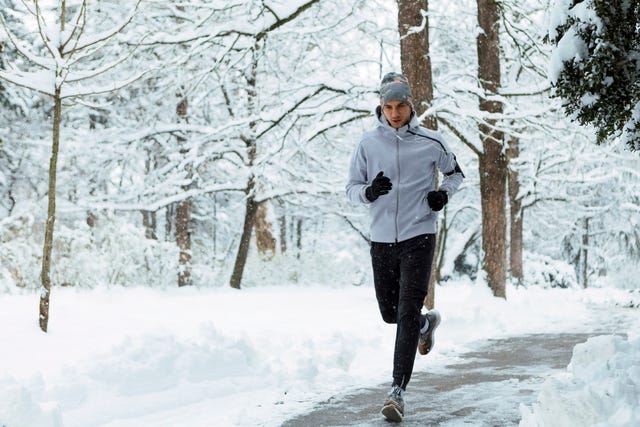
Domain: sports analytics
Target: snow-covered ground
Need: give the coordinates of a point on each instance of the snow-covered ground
(121, 357)
(600, 388)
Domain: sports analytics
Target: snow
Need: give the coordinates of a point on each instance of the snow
(122, 357)
(570, 46)
(632, 127)
(600, 388)
(558, 14)
(42, 80)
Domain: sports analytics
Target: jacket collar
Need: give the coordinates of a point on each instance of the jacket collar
(409, 128)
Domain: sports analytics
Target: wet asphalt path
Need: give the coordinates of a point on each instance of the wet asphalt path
(484, 389)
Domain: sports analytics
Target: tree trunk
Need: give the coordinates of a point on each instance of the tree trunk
(149, 220)
(298, 237)
(414, 54)
(515, 215)
(183, 240)
(243, 249)
(434, 277)
(416, 65)
(585, 255)
(282, 221)
(440, 246)
(169, 218)
(251, 206)
(183, 213)
(150, 223)
(45, 275)
(265, 241)
(492, 162)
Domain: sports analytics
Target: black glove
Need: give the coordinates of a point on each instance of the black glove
(437, 199)
(379, 186)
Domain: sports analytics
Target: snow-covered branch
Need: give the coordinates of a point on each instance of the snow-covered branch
(104, 36)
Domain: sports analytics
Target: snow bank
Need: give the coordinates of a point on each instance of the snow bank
(19, 408)
(600, 388)
(144, 357)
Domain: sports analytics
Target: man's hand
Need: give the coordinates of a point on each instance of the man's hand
(437, 199)
(379, 186)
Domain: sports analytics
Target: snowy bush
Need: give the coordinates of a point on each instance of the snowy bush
(114, 251)
(463, 255)
(330, 269)
(20, 252)
(317, 261)
(541, 270)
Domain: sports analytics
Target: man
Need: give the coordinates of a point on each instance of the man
(393, 170)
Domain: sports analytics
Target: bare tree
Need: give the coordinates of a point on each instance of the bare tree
(64, 52)
(265, 241)
(252, 137)
(515, 213)
(183, 211)
(492, 160)
(413, 26)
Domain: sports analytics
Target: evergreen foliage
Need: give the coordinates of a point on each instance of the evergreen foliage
(598, 44)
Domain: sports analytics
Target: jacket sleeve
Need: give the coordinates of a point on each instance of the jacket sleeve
(357, 182)
(449, 167)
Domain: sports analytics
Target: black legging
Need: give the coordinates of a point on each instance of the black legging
(401, 278)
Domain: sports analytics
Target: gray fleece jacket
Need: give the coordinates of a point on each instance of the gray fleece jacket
(409, 156)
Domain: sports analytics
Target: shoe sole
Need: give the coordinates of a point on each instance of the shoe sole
(422, 348)
(391, 413)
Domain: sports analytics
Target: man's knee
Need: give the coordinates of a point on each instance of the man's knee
(389, 316)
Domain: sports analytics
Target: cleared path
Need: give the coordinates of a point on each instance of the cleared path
(484, 389)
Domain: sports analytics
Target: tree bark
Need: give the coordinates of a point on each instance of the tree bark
(183, 213)
(515, 215)
(298, 237)
(282, 221)
(414, 54)
(265, 241)
(243, 249)
(413, 26)
(149, 222)
(585, 255)
(492, 162)
(169, 218)
(439, 249)
(251, 206)
(183, 240)
(45, 275)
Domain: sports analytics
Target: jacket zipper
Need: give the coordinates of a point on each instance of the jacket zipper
(398, 185)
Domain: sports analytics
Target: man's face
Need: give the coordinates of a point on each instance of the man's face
(397, 113)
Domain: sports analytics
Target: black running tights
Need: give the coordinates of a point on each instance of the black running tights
(401, 277)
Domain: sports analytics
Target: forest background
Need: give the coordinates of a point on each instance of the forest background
(207, 144)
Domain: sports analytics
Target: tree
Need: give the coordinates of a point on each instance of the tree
(515, 212)
(183, 210)
(492, 160)
(65, 48)
(284, 109)
(241, 123)
(595, 66)
(413, 26)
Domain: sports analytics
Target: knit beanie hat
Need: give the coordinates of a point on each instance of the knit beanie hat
(395, 87)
